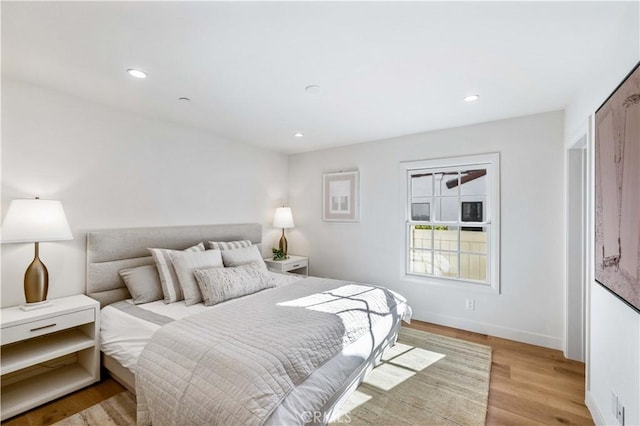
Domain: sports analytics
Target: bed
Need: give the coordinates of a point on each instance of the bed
(290, 354)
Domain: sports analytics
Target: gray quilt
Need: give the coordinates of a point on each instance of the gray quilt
(233, 365)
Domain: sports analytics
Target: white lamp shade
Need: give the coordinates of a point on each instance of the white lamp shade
(30, 221)
(283, 218)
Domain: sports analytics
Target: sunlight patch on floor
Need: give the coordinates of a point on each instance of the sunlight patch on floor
(387, 376)
(356, 399)
(417, 359)
(395, 350)
(399, 363)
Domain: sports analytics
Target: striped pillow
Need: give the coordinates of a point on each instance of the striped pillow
(241, 256)
(168, 278)
(229, 245)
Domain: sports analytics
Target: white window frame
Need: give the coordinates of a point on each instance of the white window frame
(492, 164)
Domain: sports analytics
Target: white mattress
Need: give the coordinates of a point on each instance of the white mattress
(123, 337)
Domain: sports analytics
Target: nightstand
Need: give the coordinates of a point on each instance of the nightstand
(295, 264)
(48, 352)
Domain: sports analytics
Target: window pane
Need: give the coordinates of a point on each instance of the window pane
(473, 267)
(449, 216)
(445, 264)
(473, 182)
(445, 238)
(446, 183)
(473, 209)
(421, 237)
(421, 210)
(420, 262)
(446, 209)
(474, 239)
(422, 185)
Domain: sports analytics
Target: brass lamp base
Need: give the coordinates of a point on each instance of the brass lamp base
(283, 246)
(36, 280)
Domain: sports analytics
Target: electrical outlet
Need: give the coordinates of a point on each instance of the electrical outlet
(470, 304)
(620, 415)
(617, 408)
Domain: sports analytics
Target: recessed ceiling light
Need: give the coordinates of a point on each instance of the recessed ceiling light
(299, 135)
(184, 98)
(137, 73)
(471, 98)
(312, 89)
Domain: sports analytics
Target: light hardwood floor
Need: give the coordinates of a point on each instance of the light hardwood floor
(529, 385)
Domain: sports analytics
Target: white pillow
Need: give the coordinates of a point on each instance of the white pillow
(220, 284)
(241, 256)
(143, 283)
(185, 263)
(170, 285)
(228, 245)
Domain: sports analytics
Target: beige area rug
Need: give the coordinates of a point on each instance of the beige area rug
(425, 379)
(120, 409)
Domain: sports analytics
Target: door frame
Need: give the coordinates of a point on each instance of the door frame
(577, 217)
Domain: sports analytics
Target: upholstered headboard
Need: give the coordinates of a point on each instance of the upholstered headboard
(111, 250)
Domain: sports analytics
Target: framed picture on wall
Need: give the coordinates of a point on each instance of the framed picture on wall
(617, 191)
(340, 197)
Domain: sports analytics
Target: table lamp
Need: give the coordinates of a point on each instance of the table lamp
(35, 221)
(283, 219)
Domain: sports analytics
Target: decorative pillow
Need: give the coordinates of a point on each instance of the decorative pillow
(143, 283)
(185, 263)
(220, 284)
(241, 256)
(228, 245)
(170, 285)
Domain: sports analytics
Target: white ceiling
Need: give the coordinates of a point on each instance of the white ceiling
(386, 69)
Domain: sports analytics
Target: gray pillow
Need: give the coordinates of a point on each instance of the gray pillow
(220, 284)
(228, 245)
(185, 263)
(143, 283)
(170, 285)
(241, 256)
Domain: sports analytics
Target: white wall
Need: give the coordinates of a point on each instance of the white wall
(613, 328)
(531, 305)
(113, 169)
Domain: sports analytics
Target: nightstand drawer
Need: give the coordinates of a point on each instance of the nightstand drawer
(292, 266)
(46, 326)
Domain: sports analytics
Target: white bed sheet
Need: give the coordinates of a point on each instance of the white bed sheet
(124, 336)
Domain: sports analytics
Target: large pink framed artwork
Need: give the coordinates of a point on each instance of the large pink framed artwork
(617, 191)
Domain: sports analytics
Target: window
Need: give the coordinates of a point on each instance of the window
(452, 219)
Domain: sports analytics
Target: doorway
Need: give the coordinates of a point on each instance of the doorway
(577, 237)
